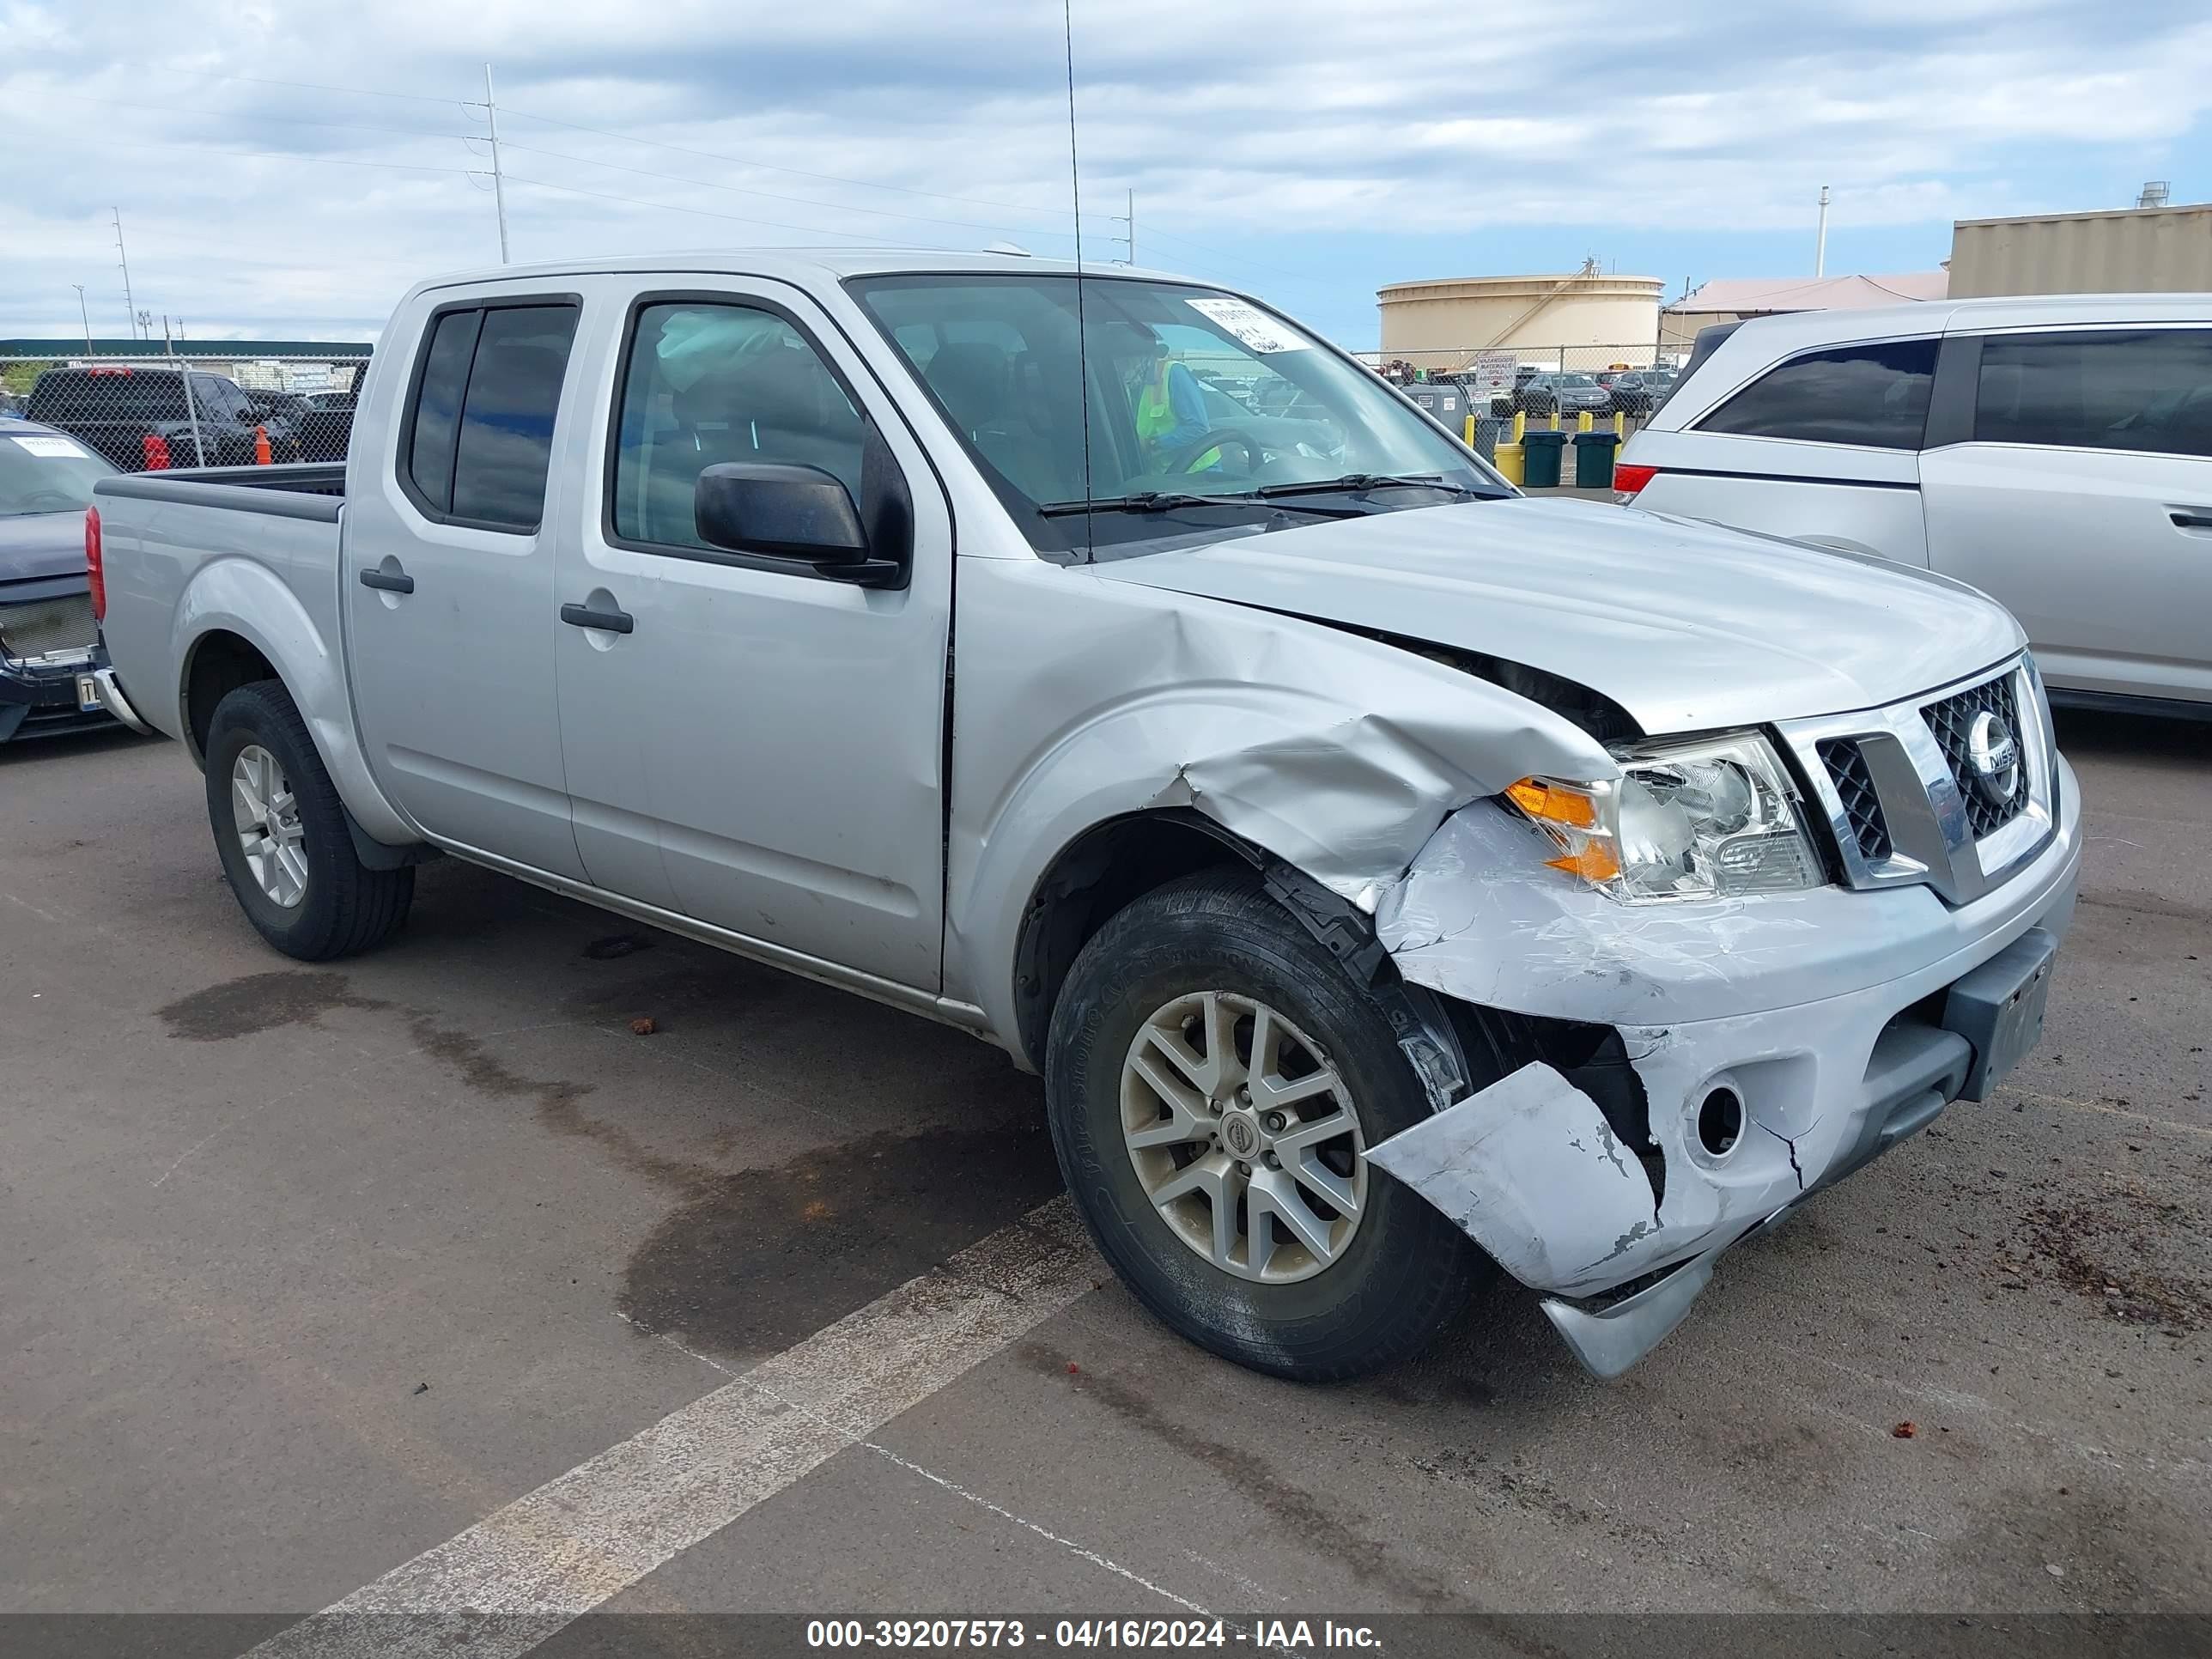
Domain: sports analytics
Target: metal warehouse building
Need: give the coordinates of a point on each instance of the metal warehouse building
(2152, 249)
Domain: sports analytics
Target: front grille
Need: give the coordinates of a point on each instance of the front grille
(45, 626)
(1847, 767)
(1951, 721)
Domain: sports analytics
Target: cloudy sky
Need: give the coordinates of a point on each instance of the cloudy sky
(286, 167)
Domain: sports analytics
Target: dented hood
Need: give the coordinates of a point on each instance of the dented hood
(1687, 626)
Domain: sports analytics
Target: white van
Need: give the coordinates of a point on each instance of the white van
(2054, 452)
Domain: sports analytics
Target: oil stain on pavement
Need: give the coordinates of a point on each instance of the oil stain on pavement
(750, 1260)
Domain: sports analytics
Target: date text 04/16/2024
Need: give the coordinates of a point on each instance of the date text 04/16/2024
(940, 1634)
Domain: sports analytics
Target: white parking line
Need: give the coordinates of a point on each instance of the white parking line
(551, 1556)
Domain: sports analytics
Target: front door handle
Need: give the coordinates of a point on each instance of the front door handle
(389, 582)
(2186, 521)
(582, 616)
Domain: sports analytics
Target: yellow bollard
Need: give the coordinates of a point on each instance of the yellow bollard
(1469, 438)
(1508, 460)
(1619, 424)
(1583, 421)
(1520, 424)
(1555, 418)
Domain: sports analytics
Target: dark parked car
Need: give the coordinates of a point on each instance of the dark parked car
(1547, 392)
(1639, 391)
(115, 408)
(280, 413)
(327, 427)
(47, 631)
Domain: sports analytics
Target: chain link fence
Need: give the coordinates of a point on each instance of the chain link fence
(1566, 387)
(1548, 416)
(150, 411)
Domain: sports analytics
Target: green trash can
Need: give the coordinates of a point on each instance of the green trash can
(1544, 451)
(1594, 451)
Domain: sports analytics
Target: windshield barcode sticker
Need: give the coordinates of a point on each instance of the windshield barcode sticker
(54, 448)
(1257, 330)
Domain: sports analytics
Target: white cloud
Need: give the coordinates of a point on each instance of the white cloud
(1229, 119)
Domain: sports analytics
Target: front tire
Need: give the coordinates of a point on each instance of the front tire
(280, 832)
(1214, 1082)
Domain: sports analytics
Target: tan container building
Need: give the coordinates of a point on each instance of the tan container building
(1441, 323)
(2157, 250)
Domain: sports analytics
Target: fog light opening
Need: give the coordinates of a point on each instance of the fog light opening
(1720, 1122)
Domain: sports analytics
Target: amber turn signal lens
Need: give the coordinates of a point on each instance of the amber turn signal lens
(1553, 803)
(1592, 861)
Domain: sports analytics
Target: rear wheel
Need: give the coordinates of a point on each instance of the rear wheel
(280, 832)
(1214, 1083)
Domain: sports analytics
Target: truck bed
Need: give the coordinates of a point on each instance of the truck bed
(194, 547)
(296, 478)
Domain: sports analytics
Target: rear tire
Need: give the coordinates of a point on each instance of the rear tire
(282, 834)
(1388, 1273)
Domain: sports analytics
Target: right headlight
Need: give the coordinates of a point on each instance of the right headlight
(1716, 817)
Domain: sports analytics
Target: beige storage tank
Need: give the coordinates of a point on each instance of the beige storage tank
(1441, 323)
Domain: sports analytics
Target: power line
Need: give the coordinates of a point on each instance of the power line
(1234, 259)
(772, 196)
(75, 143)
(242, 115)
(706, 213)
(771, 167)
(1173, 238)
(310, 86)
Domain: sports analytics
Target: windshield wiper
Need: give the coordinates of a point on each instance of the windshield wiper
(1158, 501)
(1360, 482)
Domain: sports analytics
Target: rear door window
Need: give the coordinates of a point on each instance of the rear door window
(429, 463)
(2134, 388)
(479, 442)
(1873, 395)
(506, 444)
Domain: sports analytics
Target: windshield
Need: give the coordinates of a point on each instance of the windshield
(1202, 409)
(45, 472)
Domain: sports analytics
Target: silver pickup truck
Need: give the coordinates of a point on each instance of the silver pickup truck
(1390, 876)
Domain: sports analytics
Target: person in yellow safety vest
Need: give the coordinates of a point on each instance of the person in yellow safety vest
(1171, 414)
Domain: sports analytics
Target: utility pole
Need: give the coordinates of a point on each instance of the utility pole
(498, 184)
(1821, 243)
(1132, 226)
(124, 259)
(85, 316)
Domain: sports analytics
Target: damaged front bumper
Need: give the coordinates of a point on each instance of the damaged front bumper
(1832, 1023)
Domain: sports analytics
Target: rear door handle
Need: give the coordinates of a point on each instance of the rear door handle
(389, 582)
(2189, 520)
(582, 616)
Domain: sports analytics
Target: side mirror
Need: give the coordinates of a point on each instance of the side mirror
(781, 511)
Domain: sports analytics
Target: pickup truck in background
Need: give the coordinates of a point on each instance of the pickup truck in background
(1390, 876)
(130, 413)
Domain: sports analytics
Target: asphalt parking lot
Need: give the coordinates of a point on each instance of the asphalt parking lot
(306, 1273)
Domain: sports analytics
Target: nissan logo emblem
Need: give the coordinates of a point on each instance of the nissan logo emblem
(1994, 753)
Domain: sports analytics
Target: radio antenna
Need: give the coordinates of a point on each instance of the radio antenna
(1082, 339)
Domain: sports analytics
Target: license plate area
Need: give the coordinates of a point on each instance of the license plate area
(88, 694)
(1999, 1008)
